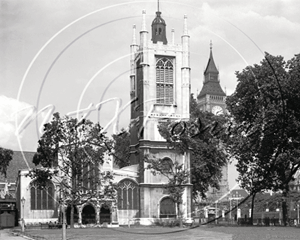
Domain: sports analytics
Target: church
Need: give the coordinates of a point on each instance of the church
(160, 88)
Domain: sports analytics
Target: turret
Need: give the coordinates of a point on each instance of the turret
(133, 50)
(185, 39)
(159, 28)
(143, 32)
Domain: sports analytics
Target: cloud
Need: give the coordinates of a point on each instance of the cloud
(9, 107)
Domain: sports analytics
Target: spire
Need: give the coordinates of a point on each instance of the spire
(159, 28)
(211, 83)
(211, 66)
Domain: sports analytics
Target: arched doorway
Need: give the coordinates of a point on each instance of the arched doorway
(88, 214)
(69, 215)
(167, 208)
(104, 214)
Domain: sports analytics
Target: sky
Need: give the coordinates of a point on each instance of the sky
(68, 55)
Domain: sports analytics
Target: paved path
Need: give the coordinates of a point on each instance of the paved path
(5, 234)
(259, 233)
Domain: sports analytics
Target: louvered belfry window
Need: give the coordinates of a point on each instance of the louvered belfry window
(165, 80)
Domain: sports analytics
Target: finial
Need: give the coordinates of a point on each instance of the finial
(210, 44)
(158, 5)
(173, 36)
(144, 21)
(134, 37)
(185, 28)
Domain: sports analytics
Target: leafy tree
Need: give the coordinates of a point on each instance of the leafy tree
(202, 136)
(266, 132)
(5, 158)
(207, 158)
(71, 153)
(251, 171)
(195, 111)
(177, 177)
(121, 150)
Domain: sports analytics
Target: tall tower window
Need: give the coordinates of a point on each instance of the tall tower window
(164, 80)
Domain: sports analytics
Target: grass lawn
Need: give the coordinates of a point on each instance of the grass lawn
(135, 233)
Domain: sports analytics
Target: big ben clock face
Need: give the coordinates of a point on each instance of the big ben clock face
(217, 110)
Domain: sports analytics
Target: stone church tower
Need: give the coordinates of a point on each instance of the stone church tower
(160, 90)
(212, 99)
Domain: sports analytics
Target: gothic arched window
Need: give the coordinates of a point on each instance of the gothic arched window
(167, 208)
(127, 195)
(42, 198)
(89, 175)
(164, 80)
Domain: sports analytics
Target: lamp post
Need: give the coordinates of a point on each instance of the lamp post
(22, 219)
(216, 213)
(230, 209)
(298, 212)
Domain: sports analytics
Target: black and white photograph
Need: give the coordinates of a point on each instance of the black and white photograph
(161, 119)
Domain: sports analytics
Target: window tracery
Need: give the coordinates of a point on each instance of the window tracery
(42, 198)
(164, 80)
(127, 195)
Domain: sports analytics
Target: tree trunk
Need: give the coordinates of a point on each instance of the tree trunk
(252, 208)
(72, 194)
(179, 215)
(72, 215)
(284, 207)
(64, 234)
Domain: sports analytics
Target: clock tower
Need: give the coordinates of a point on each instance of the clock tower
(212, 99)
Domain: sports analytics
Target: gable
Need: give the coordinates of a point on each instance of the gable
(18, 162)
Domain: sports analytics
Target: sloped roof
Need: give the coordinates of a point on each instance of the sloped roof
(211, 66)
(211, 83)
(131, 168)
(158, 19)
(17, 163)
(212, 88)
